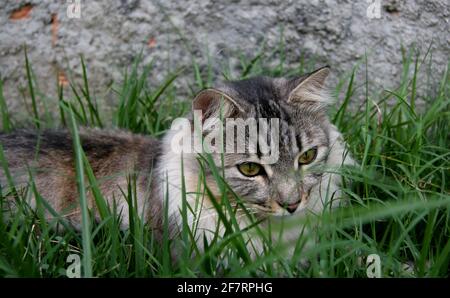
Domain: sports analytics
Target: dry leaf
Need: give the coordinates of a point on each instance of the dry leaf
(21, 13)
(55, 25)
(152, 42)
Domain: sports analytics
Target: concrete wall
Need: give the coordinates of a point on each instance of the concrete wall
(111, 33)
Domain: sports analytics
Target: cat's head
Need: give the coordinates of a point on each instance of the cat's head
(279, 185)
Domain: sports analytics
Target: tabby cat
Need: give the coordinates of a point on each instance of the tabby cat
(299, 181)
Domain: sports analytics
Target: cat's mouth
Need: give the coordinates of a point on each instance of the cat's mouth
(273, 208)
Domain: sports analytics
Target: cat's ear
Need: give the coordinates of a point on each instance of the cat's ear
(214, 103)
(310, 88)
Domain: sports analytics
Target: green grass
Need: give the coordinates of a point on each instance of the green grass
(399, 198)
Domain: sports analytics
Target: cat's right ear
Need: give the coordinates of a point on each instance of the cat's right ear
(213, 103)
(310, 88)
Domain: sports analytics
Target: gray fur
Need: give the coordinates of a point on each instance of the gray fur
(299, 103)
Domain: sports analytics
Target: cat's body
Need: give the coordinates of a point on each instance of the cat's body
(287, 188)
(113, 155)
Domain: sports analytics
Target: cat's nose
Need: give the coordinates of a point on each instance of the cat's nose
(291, 207)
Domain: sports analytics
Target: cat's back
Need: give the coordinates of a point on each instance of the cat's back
(49, 156)
(25, 145)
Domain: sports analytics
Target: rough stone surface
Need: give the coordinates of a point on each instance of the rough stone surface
(111, 33)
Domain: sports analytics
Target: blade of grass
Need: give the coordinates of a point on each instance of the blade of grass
(79, 169)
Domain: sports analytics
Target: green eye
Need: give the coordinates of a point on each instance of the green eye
(307, 157)
(250, 169)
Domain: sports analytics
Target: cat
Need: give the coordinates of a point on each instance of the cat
(296, 183)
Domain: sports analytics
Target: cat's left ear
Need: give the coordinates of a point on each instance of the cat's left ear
(213, 102)
(310, 88)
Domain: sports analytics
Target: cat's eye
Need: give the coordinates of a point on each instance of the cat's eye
(250, 169)
(307, 157)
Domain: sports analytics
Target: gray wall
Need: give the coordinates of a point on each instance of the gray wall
(111, 33)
